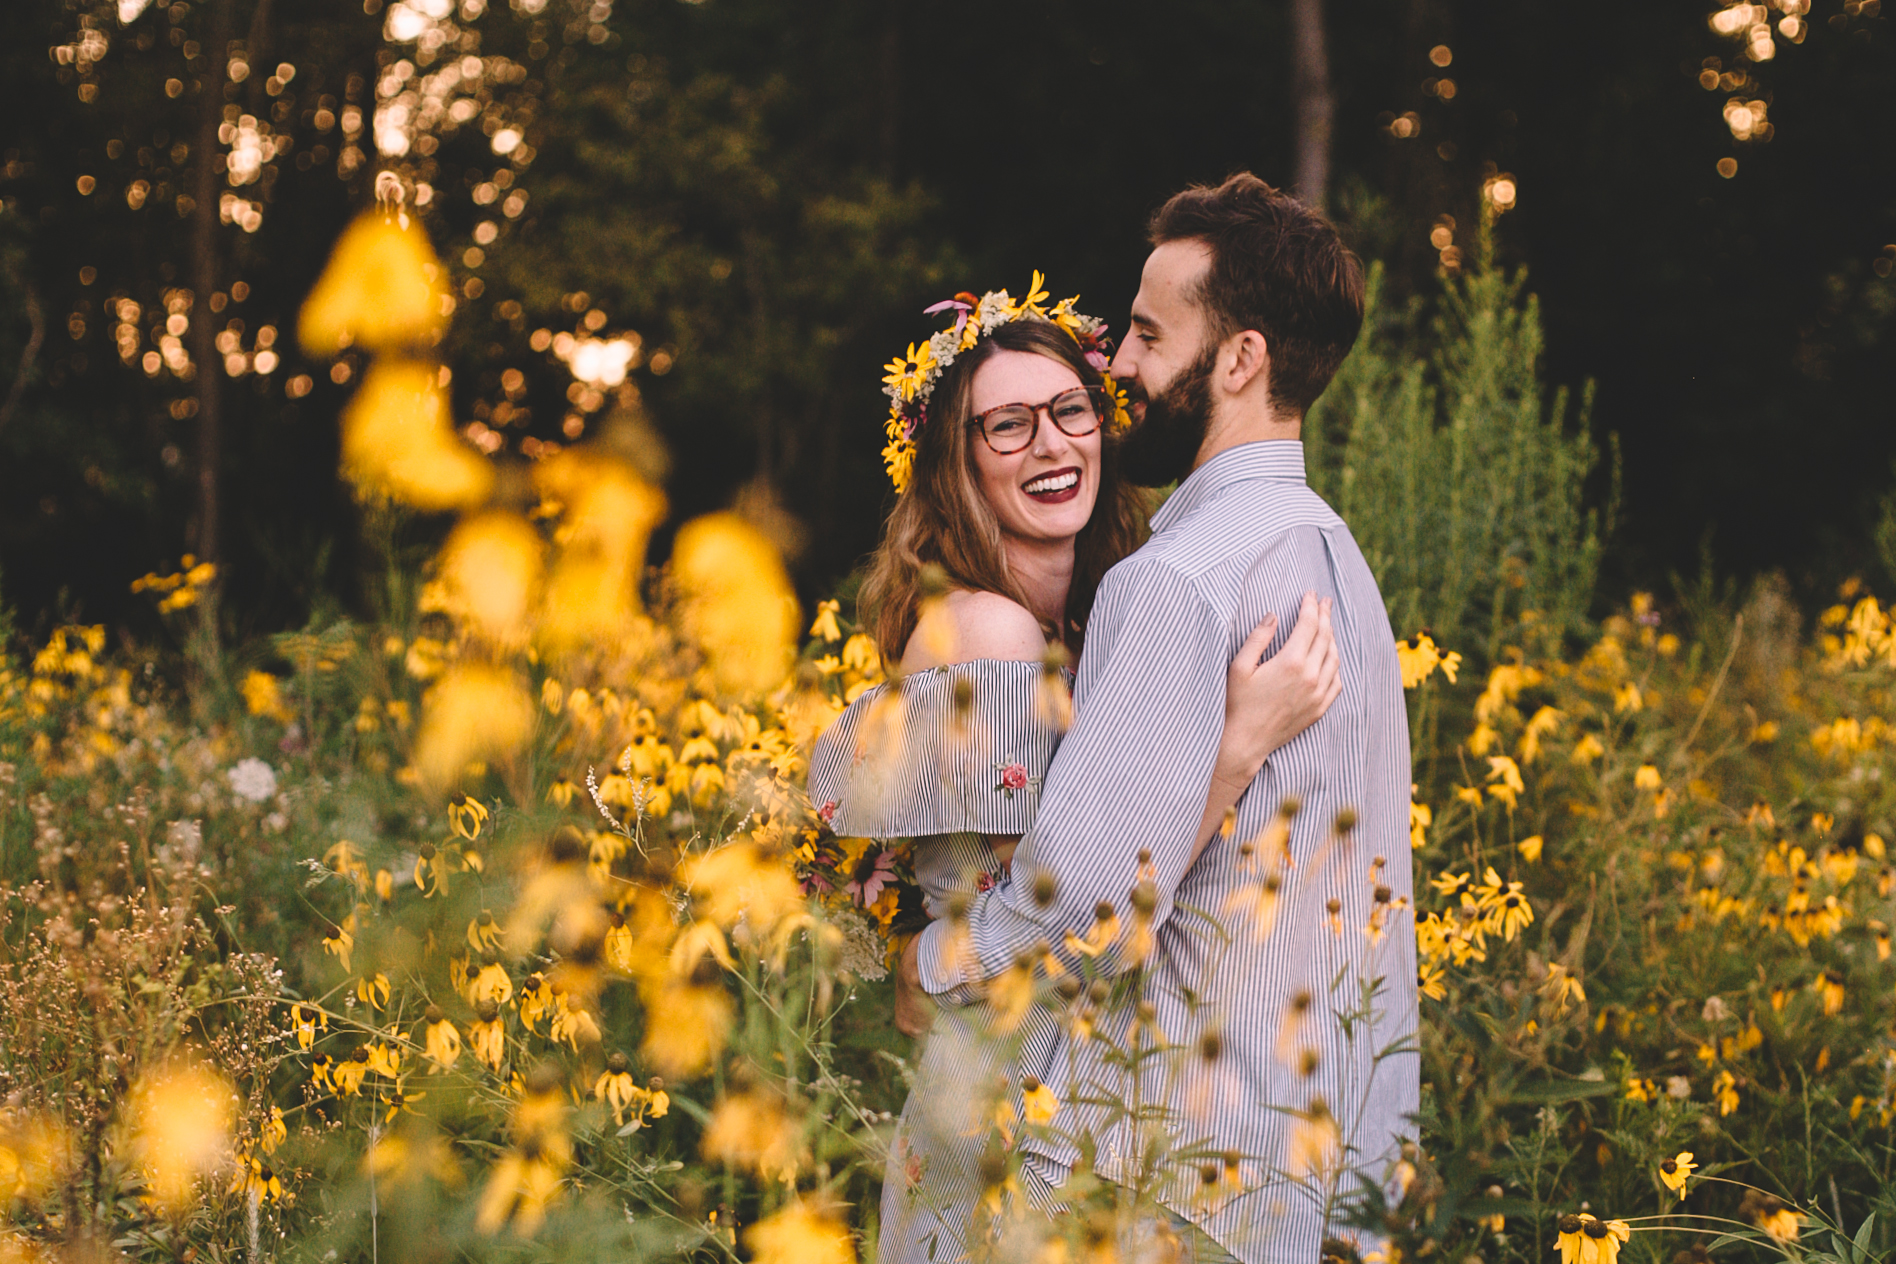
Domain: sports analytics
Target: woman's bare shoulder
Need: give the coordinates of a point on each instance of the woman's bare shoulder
(965, 626)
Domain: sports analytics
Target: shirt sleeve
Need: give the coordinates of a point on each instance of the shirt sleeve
(1132, 774)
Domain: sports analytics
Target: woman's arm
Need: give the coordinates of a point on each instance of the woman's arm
(1268, 701)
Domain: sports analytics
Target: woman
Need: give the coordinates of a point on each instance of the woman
(1012, 513)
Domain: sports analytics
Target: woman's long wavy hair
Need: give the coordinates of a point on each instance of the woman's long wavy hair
(944, 519)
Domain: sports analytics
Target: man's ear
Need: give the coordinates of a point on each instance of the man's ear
(1244, 358)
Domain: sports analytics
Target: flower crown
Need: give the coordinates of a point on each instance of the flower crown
(911, 378)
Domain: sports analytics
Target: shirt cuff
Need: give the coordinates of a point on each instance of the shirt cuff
(943, 951)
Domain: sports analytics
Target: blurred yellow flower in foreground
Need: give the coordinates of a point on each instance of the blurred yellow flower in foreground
(475, 713)
(606, 515)
(398, 441)
(737, 601)
(381, 291)
(800, 1235)
(688, 1026)
(490, 573)
(181, 1118)
(752, 1130)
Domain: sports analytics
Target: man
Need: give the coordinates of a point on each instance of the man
(1247, 305)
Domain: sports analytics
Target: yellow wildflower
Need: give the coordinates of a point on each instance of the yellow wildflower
(1674, 1171)
(1725, 1092)
(1038, 1101)
(305, 1022)
(1530, 848)
(441, 1040)
(752, 1130)
(825, 625)
(797, 1234)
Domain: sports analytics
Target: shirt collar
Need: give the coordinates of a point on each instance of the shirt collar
(1275, 460)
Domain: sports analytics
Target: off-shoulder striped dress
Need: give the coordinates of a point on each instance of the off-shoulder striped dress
(953, 756)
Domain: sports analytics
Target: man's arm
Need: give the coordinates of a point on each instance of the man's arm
(1131, 775)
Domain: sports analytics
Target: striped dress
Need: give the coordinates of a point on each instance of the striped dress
(1248, 992)
(954, 755)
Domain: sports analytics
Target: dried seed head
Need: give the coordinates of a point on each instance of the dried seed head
(1208, 1173)
(1145, 898)
(1210, 1046)
(1103, 911)
(1333, 905)
(1145, 855)
(1345, 821)
(617, 1064)
(1307, 1064)
(432, 1015)
(1383, 895)
(1299, 1003)
(1043, 888)
(1289, 808)
(1068, 987)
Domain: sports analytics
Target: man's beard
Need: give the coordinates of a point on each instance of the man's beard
(1165, 444)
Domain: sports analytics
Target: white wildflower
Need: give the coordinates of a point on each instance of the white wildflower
(252, 780)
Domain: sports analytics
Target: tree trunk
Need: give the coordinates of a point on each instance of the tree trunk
(204, 277)
(1316, 108)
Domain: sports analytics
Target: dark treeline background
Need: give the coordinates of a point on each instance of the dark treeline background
(770, 193)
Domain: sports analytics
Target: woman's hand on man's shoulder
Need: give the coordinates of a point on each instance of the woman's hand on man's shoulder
(964, 626)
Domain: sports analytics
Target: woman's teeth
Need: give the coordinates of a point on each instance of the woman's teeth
(1052, 483)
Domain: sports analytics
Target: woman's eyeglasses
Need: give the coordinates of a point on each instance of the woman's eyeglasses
(1011, 427)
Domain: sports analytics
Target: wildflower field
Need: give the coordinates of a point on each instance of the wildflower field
(503, 927)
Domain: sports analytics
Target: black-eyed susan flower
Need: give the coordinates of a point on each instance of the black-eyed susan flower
(321, 1071)
(483, 933)
(441, 1040)
(339, 940)
(1674, 1171)
(1771, 1214)
(1586, 1239)
(825, 625)
(305, 1021)
(487, 1035)
(373, 990)
(616, 1087)
(348, 1074)
(385, 1059)
(526, 1179)
(490, 984)
(256, 1180)
(466, 816)
(1829, 985)
(274, 1132)
(1038, 1104)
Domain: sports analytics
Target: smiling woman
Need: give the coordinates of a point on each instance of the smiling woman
(969, 510)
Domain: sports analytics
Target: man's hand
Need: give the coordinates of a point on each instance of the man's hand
(914, 1008)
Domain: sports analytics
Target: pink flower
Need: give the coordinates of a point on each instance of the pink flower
(984, 882)
(870, 875)
(814, 881)
(827, 813)
(1013, 777)
(1098, 360)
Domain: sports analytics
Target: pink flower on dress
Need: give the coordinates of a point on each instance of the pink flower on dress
(1013, 777)
(984, 882)
(870, 875)
(827, 813)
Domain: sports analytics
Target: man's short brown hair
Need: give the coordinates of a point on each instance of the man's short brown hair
(1277, 267)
